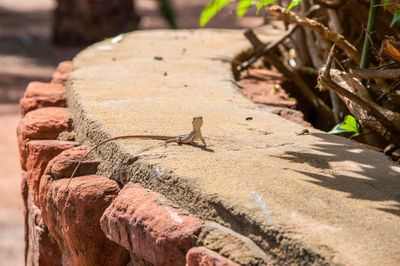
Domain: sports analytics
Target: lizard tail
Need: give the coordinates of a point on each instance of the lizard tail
(108, 140)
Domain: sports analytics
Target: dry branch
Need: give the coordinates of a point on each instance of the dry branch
(329, 3)
(314, 25)
(263, 49)
(375, 73)
(391, 49)
(383, 121)
(321, 108)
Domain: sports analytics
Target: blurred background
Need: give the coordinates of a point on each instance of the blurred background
(35, 35)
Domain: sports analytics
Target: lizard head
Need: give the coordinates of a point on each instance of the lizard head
(197, 122)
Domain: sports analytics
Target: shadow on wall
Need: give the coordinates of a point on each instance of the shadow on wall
(377, 184)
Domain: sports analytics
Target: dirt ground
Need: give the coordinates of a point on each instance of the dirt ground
(26, 54)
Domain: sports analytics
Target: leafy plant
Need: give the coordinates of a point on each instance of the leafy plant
(396, 18)
(396, 15)
(242, 7)
(349, 125)
(213, 7)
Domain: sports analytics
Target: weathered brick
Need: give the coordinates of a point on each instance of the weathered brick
(42, 248)
(232, 245)
(63, 70)
(141, 221)
(24, 194)
(72, 216)
(29, 104)
(64, 164)
(202, 256)
(36, 88)
(40, 152)
(44, 123)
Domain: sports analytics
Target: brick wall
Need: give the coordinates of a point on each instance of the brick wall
(93, 220)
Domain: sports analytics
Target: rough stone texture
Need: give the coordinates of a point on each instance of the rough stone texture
(80, 22)
(294, 196)
(40, 152)
(67, 136)
(64, 164)
(24, 194)
(136, 261)
(141, 221)
(202, 256)
(36, 88)
(72, 215)
(231, 244)
(30, 104)
(44, 123)
(42, 248)
(63, 70)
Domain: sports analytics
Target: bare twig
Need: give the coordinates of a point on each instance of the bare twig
(265, 50)
(348, 75)
(314, 25)
(376, 73)
(322, 109)
(368, 35)
(274, 44)
(391, 49)
(334, 21)
(384, 121)
(307, 70)
(389, 90)
(327, 82)
(329, 3)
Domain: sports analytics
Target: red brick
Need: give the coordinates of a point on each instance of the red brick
(42, 248)
(139, 220)
(29, 104)
(72, 216)
(202, 256)
(24, 194)
(40, 152)
(44, 123)
(63, 70)
(36, 88)
(64, 164)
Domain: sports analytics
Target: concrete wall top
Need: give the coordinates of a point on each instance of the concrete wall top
(258, 177)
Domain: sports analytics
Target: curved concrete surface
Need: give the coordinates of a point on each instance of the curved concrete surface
(313, 195)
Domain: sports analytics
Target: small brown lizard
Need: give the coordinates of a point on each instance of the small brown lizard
(180, 139)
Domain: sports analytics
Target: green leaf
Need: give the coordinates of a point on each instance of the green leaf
(262, 3)
(396, 17)
(385, 2)
(349, 124)
(293, 4)
(210, 10)
(242, 7)
(259, 6)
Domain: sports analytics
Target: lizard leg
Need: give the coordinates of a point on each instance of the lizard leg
(177, 140)
(203, 141)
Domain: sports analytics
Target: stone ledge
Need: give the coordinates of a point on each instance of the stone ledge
(294, 196)
(198, 256)
(140, 220)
